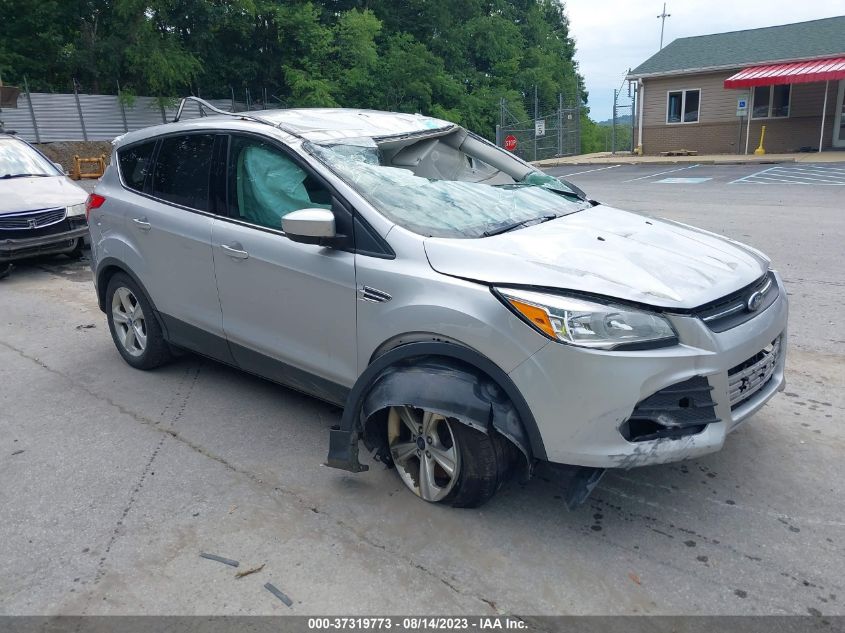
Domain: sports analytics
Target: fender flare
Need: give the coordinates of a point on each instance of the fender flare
(458, 381)
(111, 262)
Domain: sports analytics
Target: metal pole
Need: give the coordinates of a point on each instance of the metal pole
(663, 17)
(577, 147)
(536, 116)
(79, 110)
(248, 104)
(122, 109)
(613, 129)
(31, 109)
(748, 124)
(633, 117)
(824, 110)
(499, 135)
(560, 124)
(233, 98)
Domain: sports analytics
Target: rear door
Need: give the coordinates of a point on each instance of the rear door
(169, 231)
(288, 308)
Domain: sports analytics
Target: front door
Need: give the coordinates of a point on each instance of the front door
(288, 308)
(839, 121)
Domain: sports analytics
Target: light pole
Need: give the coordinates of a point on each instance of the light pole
(663, 17)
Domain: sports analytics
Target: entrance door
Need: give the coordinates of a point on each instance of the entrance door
(288, 308)
(839, 121)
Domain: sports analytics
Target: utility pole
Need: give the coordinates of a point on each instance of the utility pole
(663, 17)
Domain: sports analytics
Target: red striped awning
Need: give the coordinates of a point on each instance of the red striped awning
(791, 73)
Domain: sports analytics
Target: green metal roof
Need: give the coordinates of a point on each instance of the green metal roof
(804, 40)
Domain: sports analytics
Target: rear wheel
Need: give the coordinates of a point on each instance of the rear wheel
(444, 461)
(134, 329)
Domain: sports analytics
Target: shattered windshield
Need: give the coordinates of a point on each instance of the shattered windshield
(434, 190)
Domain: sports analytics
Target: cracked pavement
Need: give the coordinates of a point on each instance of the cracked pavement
(115, 480)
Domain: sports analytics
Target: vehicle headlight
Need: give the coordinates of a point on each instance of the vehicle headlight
(589, 323)
(76, 209)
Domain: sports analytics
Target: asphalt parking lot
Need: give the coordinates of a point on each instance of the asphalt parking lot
(114, 480)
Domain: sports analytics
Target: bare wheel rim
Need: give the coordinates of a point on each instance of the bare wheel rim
(130, 323)
(424, 451)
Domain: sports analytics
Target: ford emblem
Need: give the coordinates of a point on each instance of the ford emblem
(754, 301)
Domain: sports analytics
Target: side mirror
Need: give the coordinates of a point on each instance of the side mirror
(309, 226)
(60, 168)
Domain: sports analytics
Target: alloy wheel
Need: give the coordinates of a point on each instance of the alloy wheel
(424, 451)
(130, 323)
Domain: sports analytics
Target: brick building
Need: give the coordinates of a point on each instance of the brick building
(791, 76)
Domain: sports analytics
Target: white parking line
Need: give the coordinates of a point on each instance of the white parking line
(795, 175)
(805, 177)
(588, 171)
(671, 171)
(759, 173)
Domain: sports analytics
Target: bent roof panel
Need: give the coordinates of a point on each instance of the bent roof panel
(803, 40)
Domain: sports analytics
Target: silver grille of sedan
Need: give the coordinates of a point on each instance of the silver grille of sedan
(749, 377)
(32, 219)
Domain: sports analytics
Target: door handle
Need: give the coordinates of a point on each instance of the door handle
(235, 251)
(142, 224)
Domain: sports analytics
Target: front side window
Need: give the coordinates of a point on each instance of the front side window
(682, 106)
(771, 102)
(135, 164)
(182, 170)
(265, 184)
(431, 186)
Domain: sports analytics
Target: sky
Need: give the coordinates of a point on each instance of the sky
(614, 35)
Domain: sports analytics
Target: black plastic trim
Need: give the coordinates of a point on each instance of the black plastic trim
(343, 444)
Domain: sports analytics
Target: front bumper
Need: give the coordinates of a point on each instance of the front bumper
(20, 248)
(583, 399)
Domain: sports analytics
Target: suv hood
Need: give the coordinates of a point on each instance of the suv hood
(609, 252)
(39, 192)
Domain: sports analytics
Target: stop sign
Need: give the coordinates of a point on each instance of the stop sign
(510, 142)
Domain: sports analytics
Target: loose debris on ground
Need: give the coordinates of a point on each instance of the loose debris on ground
(272, 589)
(247, 572)
(220, 559)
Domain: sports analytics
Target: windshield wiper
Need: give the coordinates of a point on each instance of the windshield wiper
(515, 225)
(7, 176)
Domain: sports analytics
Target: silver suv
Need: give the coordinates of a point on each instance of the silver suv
(472, 315)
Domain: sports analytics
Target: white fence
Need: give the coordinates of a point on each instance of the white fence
(47, 117)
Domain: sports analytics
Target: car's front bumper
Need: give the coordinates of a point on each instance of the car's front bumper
(581, 398)
(22, 247)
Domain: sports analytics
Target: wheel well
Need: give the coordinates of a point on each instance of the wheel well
(454, 388)
(108, 270)
(103, 278)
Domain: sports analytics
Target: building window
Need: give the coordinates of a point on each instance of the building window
(682, 106)
(771, 102)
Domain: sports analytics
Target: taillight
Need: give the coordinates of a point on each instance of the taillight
(95, 201)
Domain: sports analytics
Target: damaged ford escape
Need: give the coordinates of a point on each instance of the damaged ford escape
(472, 315)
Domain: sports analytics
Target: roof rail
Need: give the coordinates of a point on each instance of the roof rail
(202, 103)
(205, 104)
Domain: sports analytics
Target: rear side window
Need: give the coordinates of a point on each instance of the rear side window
(182, 170)
(135, 164)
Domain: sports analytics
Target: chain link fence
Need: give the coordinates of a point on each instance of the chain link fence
(535, 130)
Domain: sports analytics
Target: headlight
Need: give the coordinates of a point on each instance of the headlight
(589, 323)
(76, 209)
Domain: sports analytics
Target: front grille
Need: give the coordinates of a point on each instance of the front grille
(751, 376)
(676, 411)
(32, 219)
(733, 310)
